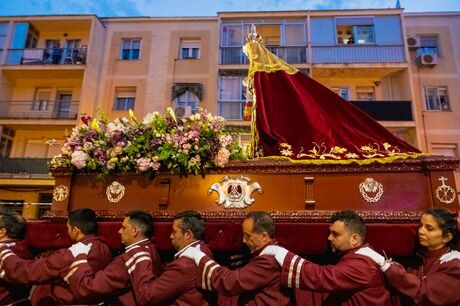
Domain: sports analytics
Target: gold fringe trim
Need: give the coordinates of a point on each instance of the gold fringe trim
(382, 160)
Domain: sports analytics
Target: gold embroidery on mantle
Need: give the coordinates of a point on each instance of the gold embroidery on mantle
(321, 154)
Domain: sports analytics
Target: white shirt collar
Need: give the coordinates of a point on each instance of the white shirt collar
(194, 243)
(136, 244)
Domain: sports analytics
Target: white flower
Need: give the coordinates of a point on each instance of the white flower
(79, 159)
(150, 117)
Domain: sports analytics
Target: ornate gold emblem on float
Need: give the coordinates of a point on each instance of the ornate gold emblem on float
(371, 190)
(60, 193)
(444, 193)
(115, 192)
(234, 192)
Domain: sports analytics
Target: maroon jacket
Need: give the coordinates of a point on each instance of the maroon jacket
(175, 286)
(257, 283)
(48, 272)
(112, 284)
(439, 284)
(354, 280)
(10, 293)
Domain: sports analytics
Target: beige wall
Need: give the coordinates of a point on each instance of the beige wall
(159, 65)
(438, 126)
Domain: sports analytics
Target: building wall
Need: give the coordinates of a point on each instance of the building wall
(440, 130)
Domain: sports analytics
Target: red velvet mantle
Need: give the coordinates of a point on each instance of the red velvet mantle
(296, 110)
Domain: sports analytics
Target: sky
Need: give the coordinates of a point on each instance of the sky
(154, 8)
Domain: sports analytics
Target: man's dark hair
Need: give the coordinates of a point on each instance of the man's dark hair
(262, 222)
(353, 223)
(447, 222)
(84, 219)
(142, 220)
(191, 220)
(14, 223)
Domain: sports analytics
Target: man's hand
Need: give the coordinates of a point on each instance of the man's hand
(376, 257)
(194, 253)
(450, 256)
(277, 251)
(80, 248)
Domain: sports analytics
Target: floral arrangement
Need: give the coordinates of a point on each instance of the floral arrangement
(158, 143)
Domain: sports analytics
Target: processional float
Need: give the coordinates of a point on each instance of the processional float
(311, 153)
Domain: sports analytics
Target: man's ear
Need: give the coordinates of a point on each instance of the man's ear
(265, 236)
(355, 240)
(136, 231)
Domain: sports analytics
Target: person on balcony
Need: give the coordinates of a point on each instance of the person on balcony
(258, 282)
(112, 284)
(47, 271)
(56, 54)
(177, 284)
(436, 281)
(354, 280)
(12, 230)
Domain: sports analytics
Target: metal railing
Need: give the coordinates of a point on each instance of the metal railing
(231, 110)
(386, 110)
(49, 56)
(358, 54)
(59, 109)
(37, 166)
(291, 55)
(379, 110)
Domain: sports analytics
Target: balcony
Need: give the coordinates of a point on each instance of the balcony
(379, 110)
(386, 110)
(231, 110)
(358, 54)
(39, 109)
(24, 167)
(51, 56)
(291, 55)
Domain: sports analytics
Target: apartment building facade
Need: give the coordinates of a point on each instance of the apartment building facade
(54, 68)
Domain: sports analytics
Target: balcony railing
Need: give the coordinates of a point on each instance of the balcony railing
(50, 56)
(59, 109)
(292, 55)
(387, 110)
(24, 166)
(358, 54)
(231, 110)
(379, 110)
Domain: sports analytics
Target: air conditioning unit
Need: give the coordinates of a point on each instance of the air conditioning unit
(428, 60)
(412, 42)
(183, 111)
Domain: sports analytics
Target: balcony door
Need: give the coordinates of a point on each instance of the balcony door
(63, 104)
(71, 50)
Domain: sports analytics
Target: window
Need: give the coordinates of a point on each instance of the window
(232, 35)
(436, 99)
(428, 45)
(125, 98)
(189, 49)
(42, 99)
(3, 34)
(352, 31)
(343, 92)
(187, 99)
(231, 97)
(365, 93)
(130, 49)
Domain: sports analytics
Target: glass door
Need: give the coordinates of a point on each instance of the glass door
(63, 105)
